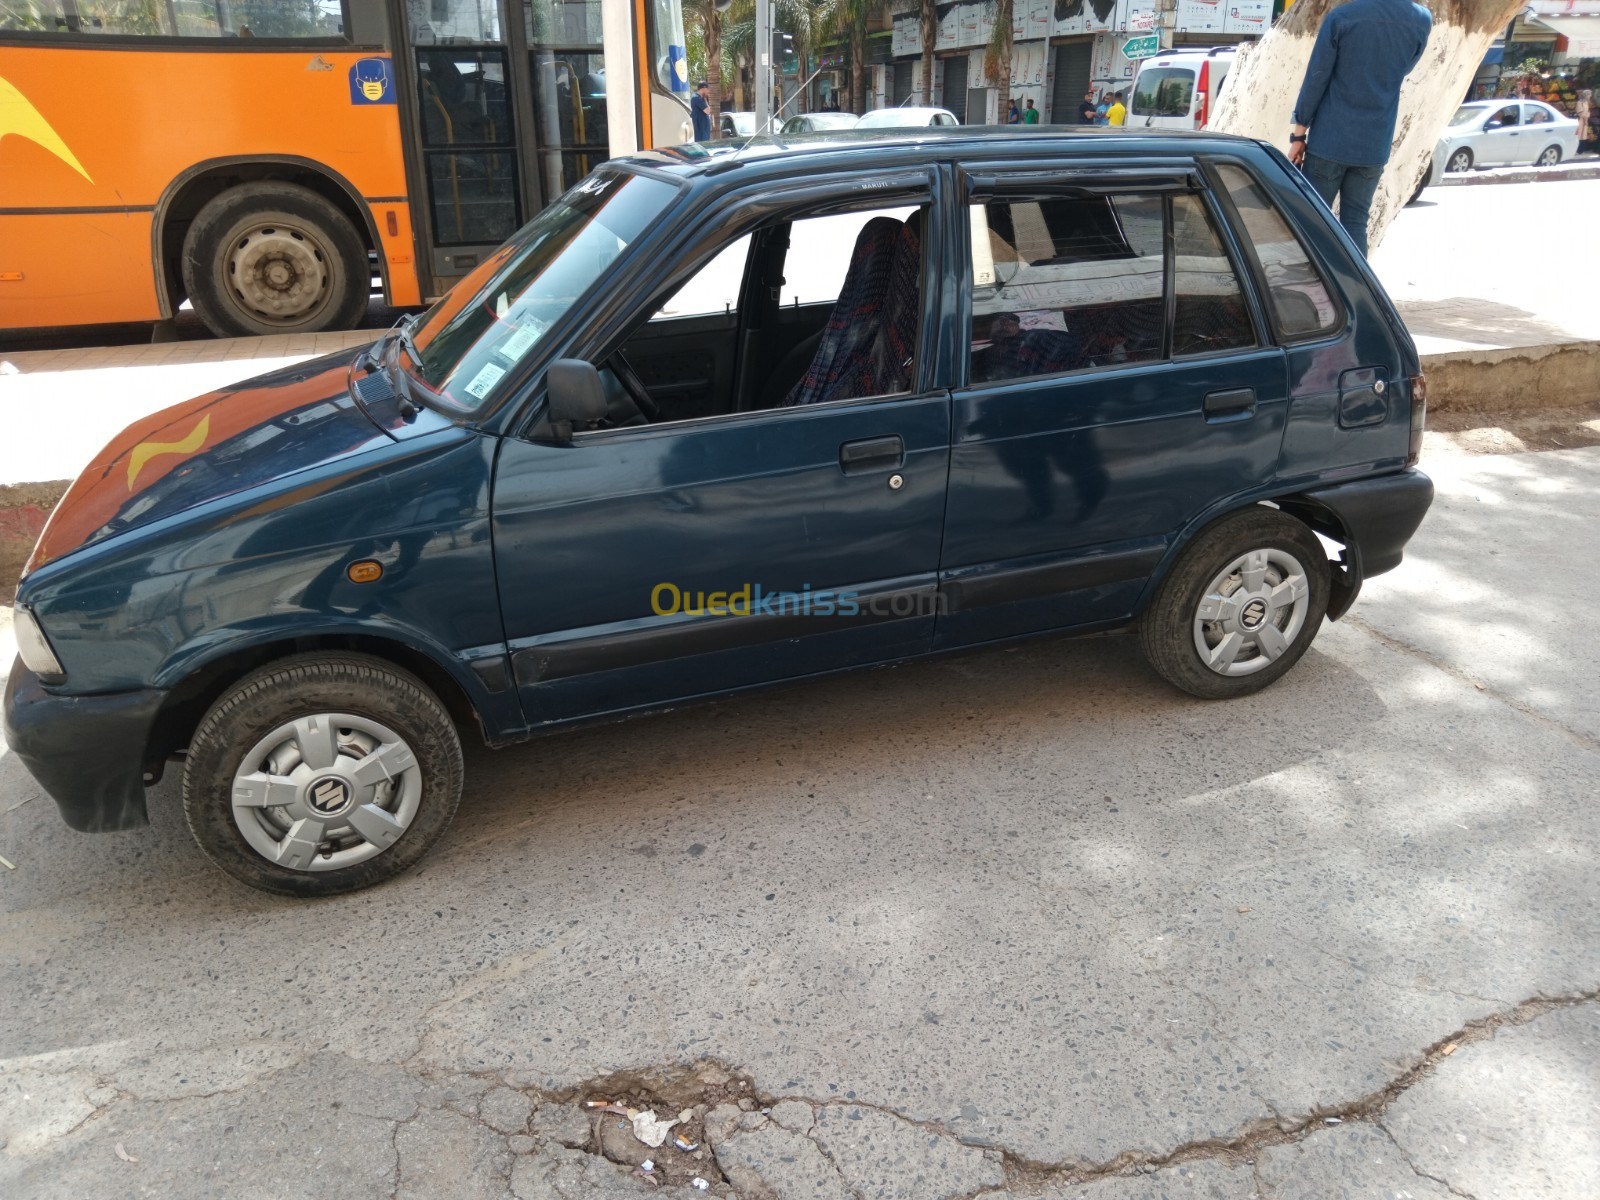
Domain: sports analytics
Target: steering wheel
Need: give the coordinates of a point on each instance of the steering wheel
(637, 392)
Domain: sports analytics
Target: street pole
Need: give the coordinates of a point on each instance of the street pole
(763, 48)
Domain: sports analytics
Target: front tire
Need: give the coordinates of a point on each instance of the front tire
(322, 773)
(1460, 161)
(1240, 606)
(275, 258)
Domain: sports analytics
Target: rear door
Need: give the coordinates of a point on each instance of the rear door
(1118, 383)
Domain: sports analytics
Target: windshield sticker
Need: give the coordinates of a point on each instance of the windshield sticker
(488, 375)
(515, 346)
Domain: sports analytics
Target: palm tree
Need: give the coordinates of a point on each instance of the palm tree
(1000, 57)
(928, 20)
(851, 18)
(705, 12)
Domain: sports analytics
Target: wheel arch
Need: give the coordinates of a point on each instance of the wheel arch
(188, 699)
(1344, 572)
(193, 188)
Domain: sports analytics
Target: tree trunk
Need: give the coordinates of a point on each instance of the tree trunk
(714, 65)
(858, 65)
(1258, 100)
(928, 23)
(1002, 42)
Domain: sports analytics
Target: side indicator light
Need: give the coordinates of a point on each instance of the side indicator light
(393, 223)
(366, 571)
(10, 276)
(1419, 418)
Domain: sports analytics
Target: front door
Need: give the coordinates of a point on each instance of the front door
(732, 540)
(1119, 384)
(1502, 137)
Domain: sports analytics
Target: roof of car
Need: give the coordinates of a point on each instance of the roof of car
(701, 158)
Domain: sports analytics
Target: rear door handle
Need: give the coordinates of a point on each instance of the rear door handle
(872, 454)
(1234, 404)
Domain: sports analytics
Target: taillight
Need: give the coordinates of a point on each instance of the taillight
(1419, 417)
(1203, 93)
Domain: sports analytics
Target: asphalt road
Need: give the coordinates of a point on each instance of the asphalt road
(1023, 923)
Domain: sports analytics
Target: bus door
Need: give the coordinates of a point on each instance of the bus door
(507, 109)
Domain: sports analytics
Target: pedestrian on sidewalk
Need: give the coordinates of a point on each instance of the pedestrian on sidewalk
(1350, 99)
(700, 111)
(1013, 117)
(1117, 114)
(1030, 115)
(1583, 110)
(1088, 109)
(1102, 108)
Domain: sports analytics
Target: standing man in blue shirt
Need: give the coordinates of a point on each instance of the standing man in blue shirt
(1350, 99)
(700, 111)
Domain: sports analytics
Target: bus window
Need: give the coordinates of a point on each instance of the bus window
(569, 89)
(667, 46)
(322, 20)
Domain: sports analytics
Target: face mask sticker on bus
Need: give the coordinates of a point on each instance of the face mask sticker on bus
(372, 82)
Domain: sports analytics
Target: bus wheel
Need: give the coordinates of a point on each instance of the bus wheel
(274, 258)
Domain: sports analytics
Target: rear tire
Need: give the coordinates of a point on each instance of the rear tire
(322, 773)
(275, 258)
(1240, 606)
(1549, 157)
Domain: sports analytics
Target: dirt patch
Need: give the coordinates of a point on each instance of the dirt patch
(1515, 432)
(24, 508)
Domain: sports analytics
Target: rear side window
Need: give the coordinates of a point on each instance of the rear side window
(1298, 295)
(1163, 92)
(1079, 282)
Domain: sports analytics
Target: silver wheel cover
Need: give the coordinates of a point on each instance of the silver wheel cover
(1252, 612)
(326, 791)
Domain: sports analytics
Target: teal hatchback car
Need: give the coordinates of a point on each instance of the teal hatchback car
(722, 417)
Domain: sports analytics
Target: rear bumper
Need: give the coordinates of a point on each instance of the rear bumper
(1378, 517)
(86, 751)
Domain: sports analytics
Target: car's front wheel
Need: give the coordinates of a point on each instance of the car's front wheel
(1461, 160)
(322, 773)
(1240, 606)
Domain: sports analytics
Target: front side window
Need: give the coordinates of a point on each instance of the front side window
(312, 20)
(1506, 117)
(1077, 282)
(1301, 303)
(494, 317)
(1163, 92)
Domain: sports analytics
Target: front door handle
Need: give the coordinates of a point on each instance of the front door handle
(1233, 405)
(872, 454)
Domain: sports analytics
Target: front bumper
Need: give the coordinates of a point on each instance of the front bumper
(86, 751)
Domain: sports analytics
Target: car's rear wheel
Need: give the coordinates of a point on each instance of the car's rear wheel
(1461, 160)
(322, 773)
(1240, 606)
(1549, 158)
(275, 258)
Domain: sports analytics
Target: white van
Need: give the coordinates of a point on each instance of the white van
(1177, 89)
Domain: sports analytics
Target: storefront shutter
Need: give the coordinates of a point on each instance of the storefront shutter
(904, 80)
(955, 86)
(1072, 80)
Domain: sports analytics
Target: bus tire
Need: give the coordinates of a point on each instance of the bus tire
(275, 258)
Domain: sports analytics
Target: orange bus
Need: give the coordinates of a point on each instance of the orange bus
(273, 162)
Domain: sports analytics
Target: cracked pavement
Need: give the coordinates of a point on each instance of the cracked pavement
(1021, 924)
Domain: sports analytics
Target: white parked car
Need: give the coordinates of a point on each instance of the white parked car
(1499, 133)
(1177, 89)
(906, 117)
(736, 124)
(818, 121)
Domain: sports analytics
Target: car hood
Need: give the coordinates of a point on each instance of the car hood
(224, 442)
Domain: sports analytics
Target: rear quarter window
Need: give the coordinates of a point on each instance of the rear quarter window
(1302, 304)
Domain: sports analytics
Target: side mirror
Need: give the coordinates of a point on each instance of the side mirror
(576, 395)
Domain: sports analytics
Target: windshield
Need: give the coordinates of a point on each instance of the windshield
(1467, 113)
(1163, 92)
(489, 321)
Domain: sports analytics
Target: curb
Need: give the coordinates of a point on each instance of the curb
(1563, 375)
(1584, 170)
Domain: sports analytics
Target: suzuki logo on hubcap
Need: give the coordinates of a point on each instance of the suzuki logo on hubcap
(328, 796)
(1254, 614)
